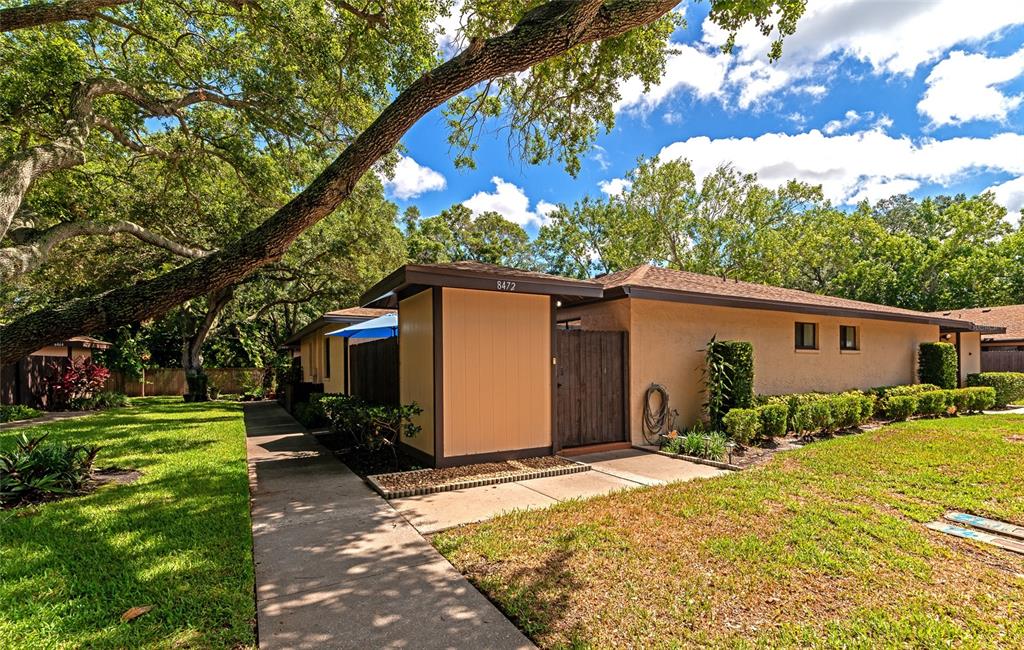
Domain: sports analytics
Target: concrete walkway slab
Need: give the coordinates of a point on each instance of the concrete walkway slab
(610, 471)
(578, 486)
(647, 468)
(338, 567)
(432, 513)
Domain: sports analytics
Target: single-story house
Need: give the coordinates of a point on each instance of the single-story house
(324, 359)
(24, 381)
(999, 350)
(509, 363)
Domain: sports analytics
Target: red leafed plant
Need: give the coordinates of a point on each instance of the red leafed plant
(72, 385)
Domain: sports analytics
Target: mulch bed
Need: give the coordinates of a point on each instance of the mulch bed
(426, 481)
(99, 478)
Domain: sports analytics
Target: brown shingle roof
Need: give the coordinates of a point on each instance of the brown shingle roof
(704, 288)
(1010, 316)
(482, 268)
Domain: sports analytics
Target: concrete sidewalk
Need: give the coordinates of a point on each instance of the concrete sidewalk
(609, 471)
(338, 567)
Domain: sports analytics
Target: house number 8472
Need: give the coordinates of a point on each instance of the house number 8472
(506, 285)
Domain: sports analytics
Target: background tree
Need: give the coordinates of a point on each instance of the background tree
(456, 235)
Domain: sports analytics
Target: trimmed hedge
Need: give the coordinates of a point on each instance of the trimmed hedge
(901, 407)
(742, 425)
(934, 402)
(973, 400)
(937, 364)
(1009, 386)
(773, 419)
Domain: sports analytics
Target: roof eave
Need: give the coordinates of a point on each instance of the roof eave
(385, 293)
(676, 295)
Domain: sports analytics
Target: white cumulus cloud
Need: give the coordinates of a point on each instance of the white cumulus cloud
(614, 186)
(869, 164)
(510, 201)
(1010, 195)
(698, 69)
(963, 87)
(412, 179)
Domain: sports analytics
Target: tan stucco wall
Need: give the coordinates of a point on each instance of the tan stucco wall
(497, 371)
(311, 349)
(666, 340)
(970, 354)
(336, 382)
(416, 364)
(608, 316)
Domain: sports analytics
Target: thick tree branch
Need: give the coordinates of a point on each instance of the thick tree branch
(18, 172)
(545, 32)
(45, 13)
(26, 257)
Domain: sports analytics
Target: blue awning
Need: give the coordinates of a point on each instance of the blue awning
(382, 327)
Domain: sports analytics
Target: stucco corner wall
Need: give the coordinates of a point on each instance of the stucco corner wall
(497, 371)
(416, 364)
(667, 339)
(970, 354)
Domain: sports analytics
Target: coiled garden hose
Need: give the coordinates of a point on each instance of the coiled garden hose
(655, 420)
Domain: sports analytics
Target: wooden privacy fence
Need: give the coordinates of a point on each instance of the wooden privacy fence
(171, 381)
(373, 371)
(1002, 360)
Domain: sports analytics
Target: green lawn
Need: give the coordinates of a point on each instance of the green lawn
(822, 547)
(178, 539)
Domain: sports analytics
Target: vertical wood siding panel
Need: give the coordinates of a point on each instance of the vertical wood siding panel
(416, 364)
(497, 371)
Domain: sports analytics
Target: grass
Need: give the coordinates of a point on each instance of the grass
(821, 547)
(178, 539)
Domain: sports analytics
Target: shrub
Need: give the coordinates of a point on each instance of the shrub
(715, 445)
(36, 468)
(68, 387)
(372, 427)
(106, 399)
(692, 443)
(728, 378)
(311, 414)
(868, 404)
(937, 364)
(979, 398)
(933, 402)
(901, 407)
(773, 419)
(1009, 386)
(742, 425)
(12, 412)
(883, 393)
(699, 444)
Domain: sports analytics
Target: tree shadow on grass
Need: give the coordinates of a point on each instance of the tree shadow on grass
(179, 542)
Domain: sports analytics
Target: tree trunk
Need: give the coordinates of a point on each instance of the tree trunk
(198, 389)
(545, 32)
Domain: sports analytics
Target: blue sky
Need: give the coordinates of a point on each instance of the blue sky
(871, 98)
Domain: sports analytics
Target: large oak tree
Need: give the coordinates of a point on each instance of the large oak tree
(236, 81)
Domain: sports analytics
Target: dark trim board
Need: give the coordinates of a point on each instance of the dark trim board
(437, 307)
(388, 290)
(493, 456)
(774, 305)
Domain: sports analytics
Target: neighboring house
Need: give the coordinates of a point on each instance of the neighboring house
(24, 382)
(74, 347)
(998, 350)
(323, 359)
(508, 363)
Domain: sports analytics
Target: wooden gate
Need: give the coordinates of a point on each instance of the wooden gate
(373, 369)
(1002, 360)
(591, 393)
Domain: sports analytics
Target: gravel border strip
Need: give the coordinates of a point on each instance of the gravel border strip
(694, 459)
(469, 483)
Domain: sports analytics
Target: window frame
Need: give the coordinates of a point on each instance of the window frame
(798, 336)
(856, 338)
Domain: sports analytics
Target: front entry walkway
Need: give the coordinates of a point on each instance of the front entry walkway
(338, 567)
(610, 471)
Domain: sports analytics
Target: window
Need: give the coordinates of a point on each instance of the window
(849, 337)
(572, 324)
(327, 358)
(806, 336)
